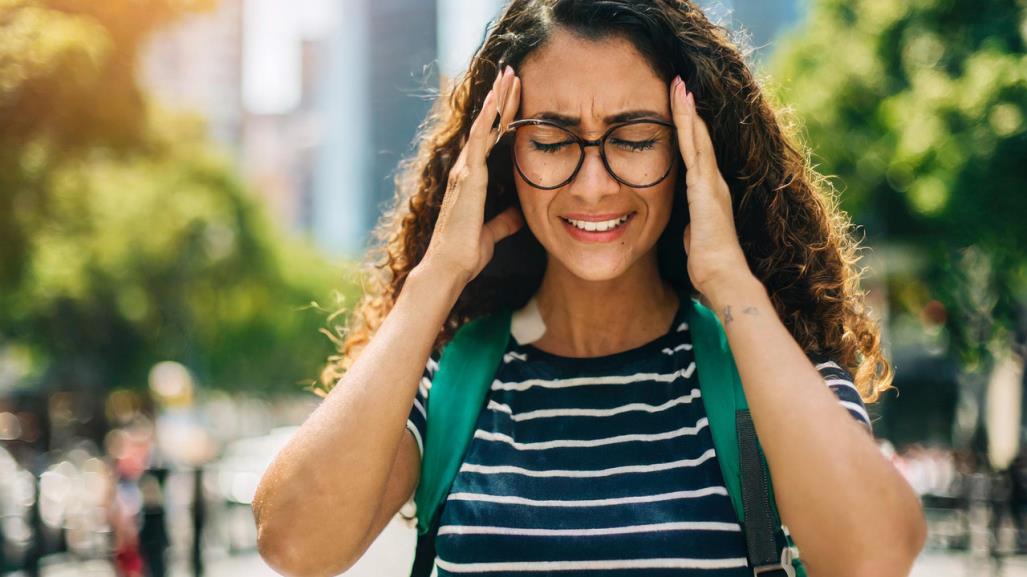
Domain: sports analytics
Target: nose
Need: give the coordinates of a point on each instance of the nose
(593, 181)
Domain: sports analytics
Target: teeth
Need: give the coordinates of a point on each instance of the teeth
(601, 226)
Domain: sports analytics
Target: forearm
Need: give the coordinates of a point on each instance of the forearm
(848, 509)
(321, 493)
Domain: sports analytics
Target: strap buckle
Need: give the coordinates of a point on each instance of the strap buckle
(784, 566)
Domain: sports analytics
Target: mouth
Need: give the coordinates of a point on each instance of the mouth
(593, 230)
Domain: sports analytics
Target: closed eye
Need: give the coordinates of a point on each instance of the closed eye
(635, 145)
(548, 147)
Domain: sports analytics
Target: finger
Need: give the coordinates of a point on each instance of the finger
(504, 87)
(509, 109)
(499, 89)
(503, 90)
(466, 138)
(514, 103)
(505, 224)
(495, 88)
(688, 237)
(703, 142)
(477, 139)
(684, 122)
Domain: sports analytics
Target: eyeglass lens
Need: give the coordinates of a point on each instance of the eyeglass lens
(638, 154)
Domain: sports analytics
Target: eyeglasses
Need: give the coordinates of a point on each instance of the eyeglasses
(638, 153)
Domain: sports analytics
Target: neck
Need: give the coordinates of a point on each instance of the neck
(586, 318)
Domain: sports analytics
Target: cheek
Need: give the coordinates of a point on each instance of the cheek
(663, 203)
(659, 203)
(534, 204)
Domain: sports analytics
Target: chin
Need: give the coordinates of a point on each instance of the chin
(598, 267)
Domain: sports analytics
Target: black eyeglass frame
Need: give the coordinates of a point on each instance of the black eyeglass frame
(582, 143)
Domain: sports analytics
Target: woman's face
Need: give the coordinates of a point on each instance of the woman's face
(587, 83)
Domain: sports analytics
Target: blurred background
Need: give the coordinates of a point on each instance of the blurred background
(187, 188)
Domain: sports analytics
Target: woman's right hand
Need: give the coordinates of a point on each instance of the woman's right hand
(462, 243)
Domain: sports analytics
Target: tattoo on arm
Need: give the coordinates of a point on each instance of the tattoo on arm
(749, 310)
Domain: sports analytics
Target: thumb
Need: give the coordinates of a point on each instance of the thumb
(505, 224)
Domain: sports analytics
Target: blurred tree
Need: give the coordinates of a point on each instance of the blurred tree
(67, 84)
(919, 109)
(125, 239)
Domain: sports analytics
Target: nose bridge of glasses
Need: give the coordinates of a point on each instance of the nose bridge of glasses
(597, 163)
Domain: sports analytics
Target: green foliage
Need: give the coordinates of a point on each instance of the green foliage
(125, 239)
(920, 110)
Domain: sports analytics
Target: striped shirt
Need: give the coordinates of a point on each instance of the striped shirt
(603, 464)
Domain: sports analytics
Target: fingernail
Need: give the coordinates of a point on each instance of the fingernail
(508, 69)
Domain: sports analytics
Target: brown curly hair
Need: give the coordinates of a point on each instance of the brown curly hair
(796, 239)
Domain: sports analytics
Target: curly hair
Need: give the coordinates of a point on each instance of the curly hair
(796, 239)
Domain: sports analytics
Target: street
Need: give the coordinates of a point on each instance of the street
(392, 554)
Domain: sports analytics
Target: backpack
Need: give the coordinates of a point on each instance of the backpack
(461, 383)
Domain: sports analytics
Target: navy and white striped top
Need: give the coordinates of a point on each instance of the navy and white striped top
(601, 464)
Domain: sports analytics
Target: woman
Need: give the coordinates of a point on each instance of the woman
(597, 159)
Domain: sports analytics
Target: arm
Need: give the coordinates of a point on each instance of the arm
(337, 483)
(852, 514)
(329, 493)
(849, 510)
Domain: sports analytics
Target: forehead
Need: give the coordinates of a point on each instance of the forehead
(589, 80)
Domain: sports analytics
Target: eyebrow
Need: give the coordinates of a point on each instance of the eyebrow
(627, 115)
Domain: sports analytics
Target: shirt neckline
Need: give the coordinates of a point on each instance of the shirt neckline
(660, 342)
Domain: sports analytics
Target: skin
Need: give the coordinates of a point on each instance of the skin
(590, 81)
(329, 493)
(837, 494)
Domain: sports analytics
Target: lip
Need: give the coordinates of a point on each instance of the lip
(592, 237)
(595, 217)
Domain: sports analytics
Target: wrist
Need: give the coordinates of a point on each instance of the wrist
(732, 289)
(439, 281)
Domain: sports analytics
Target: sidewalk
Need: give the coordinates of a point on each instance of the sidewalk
(250, 565)
(941, 564)
(392, 553)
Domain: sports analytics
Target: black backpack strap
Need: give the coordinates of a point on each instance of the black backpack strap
(768, 556)
(424, 554)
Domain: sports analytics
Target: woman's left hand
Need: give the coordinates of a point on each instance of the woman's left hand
(711, 242)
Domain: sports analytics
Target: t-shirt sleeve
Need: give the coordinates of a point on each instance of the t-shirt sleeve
(840, 382)
(417, 420)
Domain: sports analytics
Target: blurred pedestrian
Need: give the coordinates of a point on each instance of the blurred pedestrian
(153, 535)
(122, 511)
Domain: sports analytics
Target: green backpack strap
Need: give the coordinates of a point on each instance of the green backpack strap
(468, 365)
(723, 395)
(466, 369)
